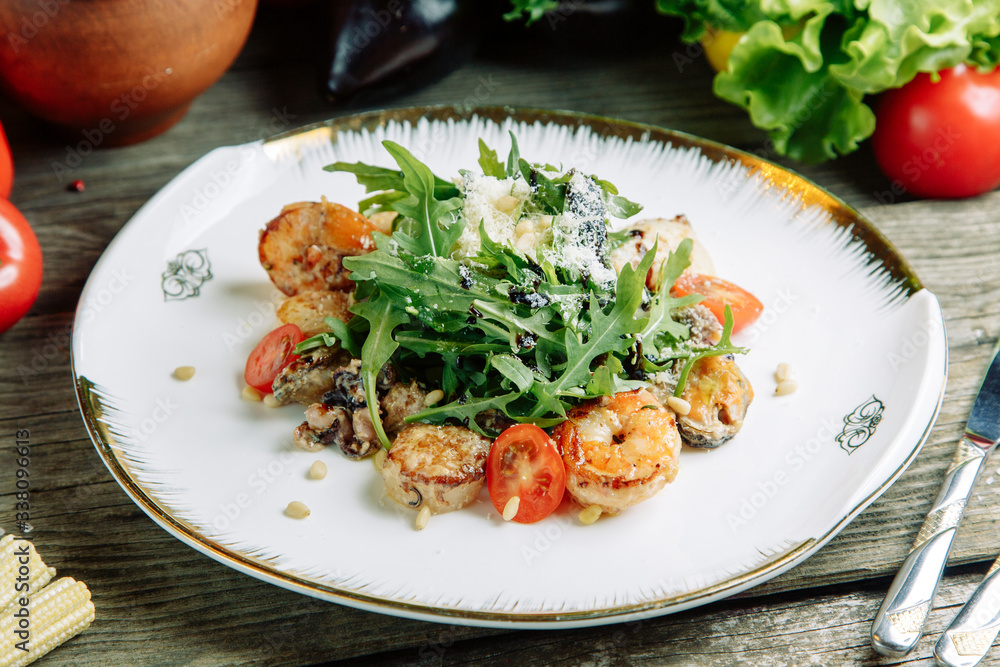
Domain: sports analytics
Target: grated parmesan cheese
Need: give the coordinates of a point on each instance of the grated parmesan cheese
(481, 195)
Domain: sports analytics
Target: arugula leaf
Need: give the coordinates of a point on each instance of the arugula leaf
(439, 224)
(620, 207)
(489, 162)
(610, 333)
(724, 346)
(378, 349)
(339, 334)
(465, 410)
(512, 368)
(548, 193)
(380, 178)
(513, 158)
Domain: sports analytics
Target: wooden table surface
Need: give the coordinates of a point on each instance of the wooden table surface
(161, 603)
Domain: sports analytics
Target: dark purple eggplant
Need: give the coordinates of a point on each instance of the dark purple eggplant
(378, 49)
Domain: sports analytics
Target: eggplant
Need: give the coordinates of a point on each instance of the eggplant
(376, 49)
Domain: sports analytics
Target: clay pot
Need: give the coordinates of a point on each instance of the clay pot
(117, 71)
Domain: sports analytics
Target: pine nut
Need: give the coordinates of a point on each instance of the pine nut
(590, 515)
(510, 509)
(251, 394)
(270, 401)
(317, 470)
(679, 405)
(507, 203)
(297, 510)
(184, 373)
(423, 516)
(525, 242)
(783, 373)
(786, 387)
(433, 397)
(380, 458)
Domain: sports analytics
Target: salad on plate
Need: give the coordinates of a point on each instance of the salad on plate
(497, 328)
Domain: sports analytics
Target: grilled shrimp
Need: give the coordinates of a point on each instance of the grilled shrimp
(670, 234)
(442, 467)
(719, 395)
(307, 310)
(618, 451)
(304, 247)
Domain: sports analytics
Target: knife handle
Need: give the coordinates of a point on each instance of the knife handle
(899, 623)
(971, 634)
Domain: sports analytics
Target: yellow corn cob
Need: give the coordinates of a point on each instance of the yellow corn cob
(39, 574)
(57, 613)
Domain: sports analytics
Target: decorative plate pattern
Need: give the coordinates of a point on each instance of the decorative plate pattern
(841, 306)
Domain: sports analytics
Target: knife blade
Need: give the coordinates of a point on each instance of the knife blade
(899, 623)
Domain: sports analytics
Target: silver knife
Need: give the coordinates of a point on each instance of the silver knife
(899, 623)
(971, 634)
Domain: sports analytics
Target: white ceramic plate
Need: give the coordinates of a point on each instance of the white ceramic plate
(181, 285)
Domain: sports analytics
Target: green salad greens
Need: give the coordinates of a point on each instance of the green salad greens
(526, 332)
(804, 67)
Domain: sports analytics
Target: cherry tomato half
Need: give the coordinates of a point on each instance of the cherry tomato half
(525, 462)
(941, 139)
(718, 293)
(20, 265)
(271, 355)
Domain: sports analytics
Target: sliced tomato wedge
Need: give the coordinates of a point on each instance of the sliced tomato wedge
(525, 462)
(718, 294)
(271, 355)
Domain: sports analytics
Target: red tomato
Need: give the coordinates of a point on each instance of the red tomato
(271, 355)
(6, 167)
(524, 462)
(20, 265)
(941, 139)
(718, 294)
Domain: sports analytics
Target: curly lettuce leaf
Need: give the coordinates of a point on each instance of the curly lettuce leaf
(786, 86)
(804, 66)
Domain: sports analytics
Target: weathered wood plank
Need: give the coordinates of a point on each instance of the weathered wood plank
(823, 629)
